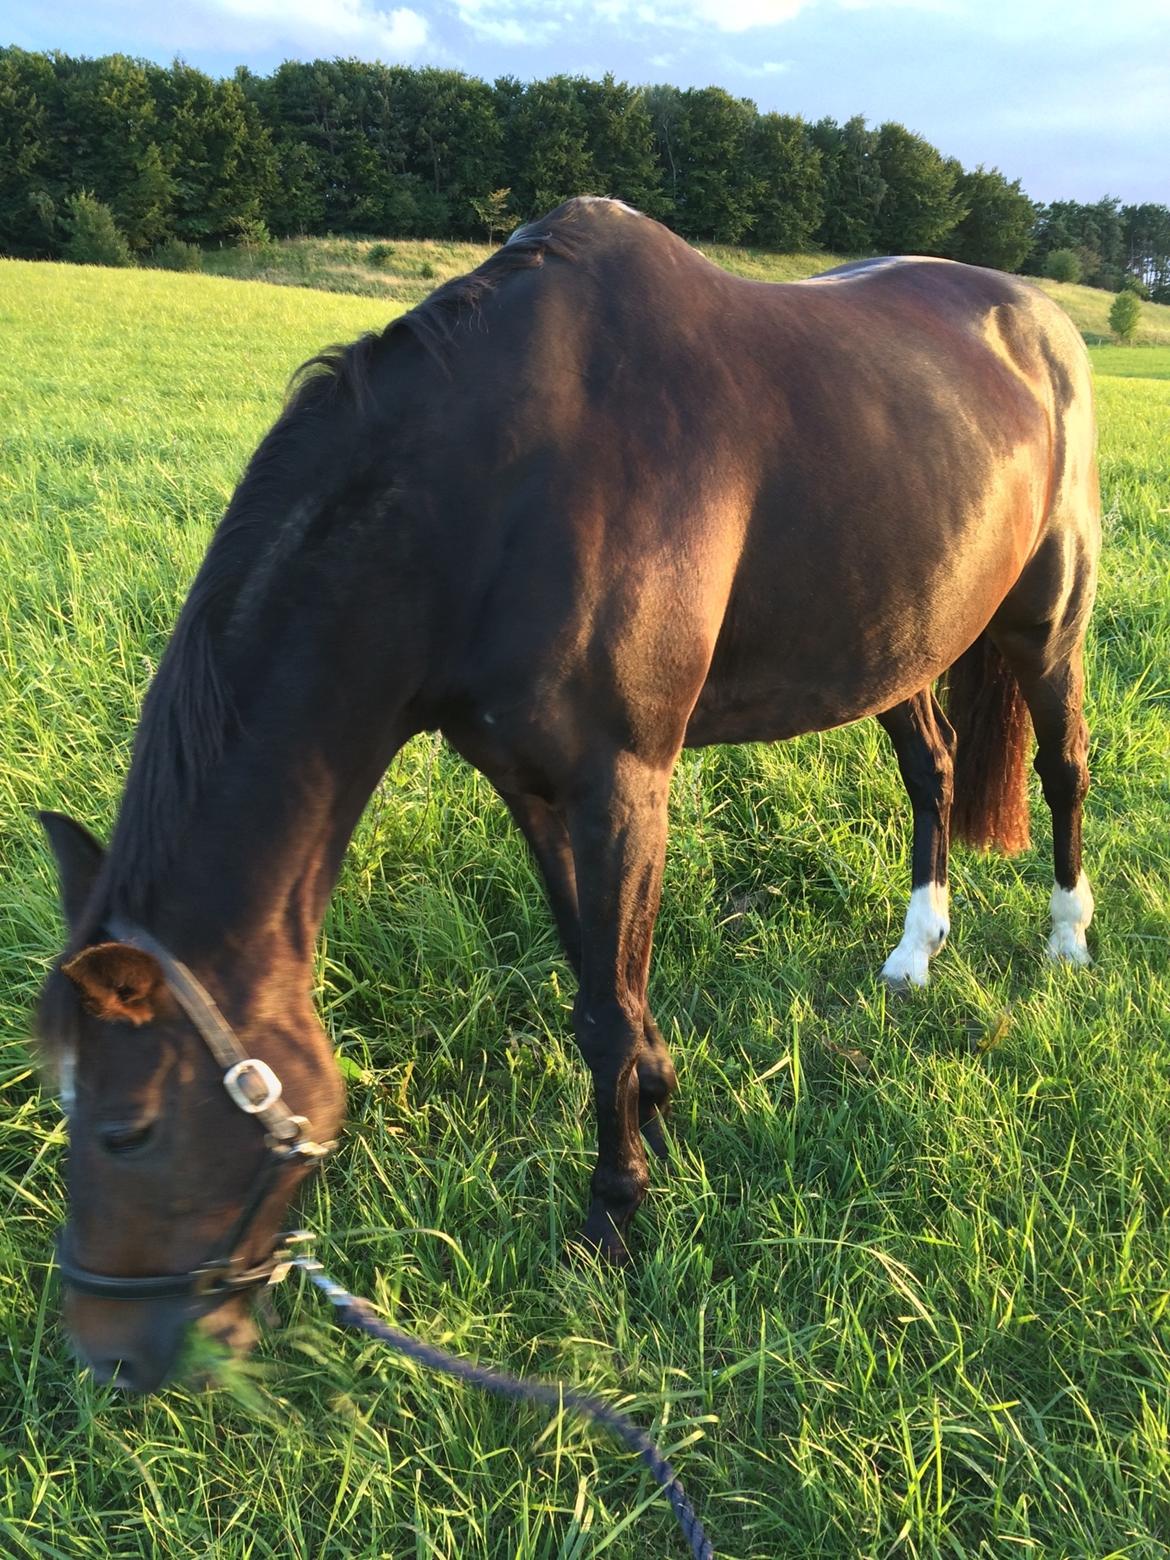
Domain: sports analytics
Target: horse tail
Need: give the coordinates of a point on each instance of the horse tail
(992, 730)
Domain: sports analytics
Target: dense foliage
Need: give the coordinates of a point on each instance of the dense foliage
(345, 146)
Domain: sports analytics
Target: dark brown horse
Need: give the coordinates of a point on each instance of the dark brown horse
(595, 502)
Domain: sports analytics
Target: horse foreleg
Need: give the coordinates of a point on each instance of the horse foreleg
(925, 744)
(544, 827)
(617, 825)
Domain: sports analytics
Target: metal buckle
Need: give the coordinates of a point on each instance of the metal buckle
(286, 1256)
(261, 1070)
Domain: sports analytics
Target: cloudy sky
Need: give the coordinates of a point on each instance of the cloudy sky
(1070, 96)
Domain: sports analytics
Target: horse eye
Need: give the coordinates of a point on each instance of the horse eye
(123, 1137)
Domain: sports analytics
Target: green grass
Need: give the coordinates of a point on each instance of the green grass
(404, 271)
(1089, 308)
(905, 1290)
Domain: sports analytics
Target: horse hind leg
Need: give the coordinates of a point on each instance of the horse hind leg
(925, 746)
(1054, 693)
(1046, 654)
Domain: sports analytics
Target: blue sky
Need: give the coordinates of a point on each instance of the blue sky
(1070, 96)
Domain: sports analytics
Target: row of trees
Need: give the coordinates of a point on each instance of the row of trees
(1109, 243)
(347, 146)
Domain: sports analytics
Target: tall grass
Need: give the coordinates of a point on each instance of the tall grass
(905, 1287)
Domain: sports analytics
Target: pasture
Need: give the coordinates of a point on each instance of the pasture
(403, 271)
(904, 1288)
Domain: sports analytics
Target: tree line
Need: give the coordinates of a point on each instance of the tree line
(344, 146)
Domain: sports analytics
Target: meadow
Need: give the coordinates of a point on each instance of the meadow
(403, 271)
(904, 1288)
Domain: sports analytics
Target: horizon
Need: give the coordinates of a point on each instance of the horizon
(1035, 91)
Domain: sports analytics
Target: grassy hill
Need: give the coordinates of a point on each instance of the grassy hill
(405, 270)
(903, 1290)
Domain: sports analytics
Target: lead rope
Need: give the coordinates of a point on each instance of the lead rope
(351, 1311)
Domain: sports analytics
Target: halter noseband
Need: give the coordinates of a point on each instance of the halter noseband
(252, 1087)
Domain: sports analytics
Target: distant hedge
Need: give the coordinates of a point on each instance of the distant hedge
(344, 146)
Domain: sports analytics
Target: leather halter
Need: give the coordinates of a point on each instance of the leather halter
(252, 1087)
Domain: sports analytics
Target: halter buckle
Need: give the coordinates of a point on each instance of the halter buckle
(286, 1256)
(251, 1066)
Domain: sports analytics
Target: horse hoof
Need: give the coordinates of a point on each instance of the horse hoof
(903, 975)
(601, 1240)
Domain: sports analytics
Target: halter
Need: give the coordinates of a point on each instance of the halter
(252, 1087)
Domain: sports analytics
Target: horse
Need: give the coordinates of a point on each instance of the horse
(592, 503)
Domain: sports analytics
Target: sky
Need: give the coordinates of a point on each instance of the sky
(1072, 97)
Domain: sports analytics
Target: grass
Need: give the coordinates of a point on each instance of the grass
(905, 1289)
(404, 271)
(1089, 308)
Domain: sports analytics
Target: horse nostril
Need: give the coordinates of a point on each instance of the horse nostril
(123, 1137)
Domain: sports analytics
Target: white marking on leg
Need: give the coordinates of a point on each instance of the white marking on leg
(1072, 910)
(927, 925)
(66, 1079)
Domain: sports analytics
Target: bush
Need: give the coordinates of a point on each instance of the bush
(175, 255)
(1124, 315)
(1063, 265)
(381, 256)
(1134, 284)
(94, 237)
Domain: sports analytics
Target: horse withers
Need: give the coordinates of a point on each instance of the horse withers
(595, 502)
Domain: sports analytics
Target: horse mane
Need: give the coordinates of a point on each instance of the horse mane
(188, 715)
(434, 322)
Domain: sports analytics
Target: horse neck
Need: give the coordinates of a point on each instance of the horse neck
(321, 703)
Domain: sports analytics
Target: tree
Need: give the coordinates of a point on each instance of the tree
(31, 170)
(1125, 314)
(546, 142)
(919, 208)
(1063, 265)
(853, 186)
(997, 229)
(1146, 232)
(94, 238)
(717, 188)
(494, 211)
(787, 172)
(219, 153)
(621, 143)
(452, 145)
(144, 204)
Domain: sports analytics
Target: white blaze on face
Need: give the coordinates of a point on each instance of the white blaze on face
(927, 925)
(1072, 910)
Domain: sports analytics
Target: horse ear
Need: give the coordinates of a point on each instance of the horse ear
(117, 982)
(79, 860)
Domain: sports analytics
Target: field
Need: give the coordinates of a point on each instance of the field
(404, 271)
(904, 1289)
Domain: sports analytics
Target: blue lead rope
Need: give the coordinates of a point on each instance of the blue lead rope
(353, 1312)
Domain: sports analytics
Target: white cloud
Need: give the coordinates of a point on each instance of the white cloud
(326, 26)
(740, 15)
(536, 21)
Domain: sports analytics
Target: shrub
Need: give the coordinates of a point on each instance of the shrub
(1134, 284)
(426, 270)
(1124, 315)
(94, 237)
(252, 235)
(175, 255)
(1063, 265)
(381, 256)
